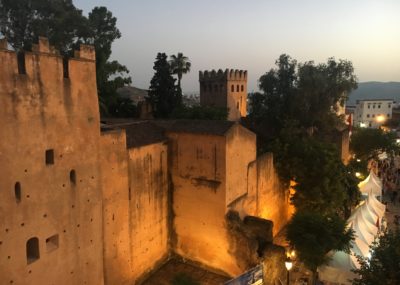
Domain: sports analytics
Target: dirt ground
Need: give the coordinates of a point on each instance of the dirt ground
(174, 267)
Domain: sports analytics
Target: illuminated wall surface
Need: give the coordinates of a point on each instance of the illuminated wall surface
(83, 206)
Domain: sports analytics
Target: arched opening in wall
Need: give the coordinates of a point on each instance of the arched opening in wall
(233, 88)
(204, 86)
(237, 105)
(221, 88)
(32, 250)
(17, 191)
(49, 156)
(216, 88)
(72, 176)
(21, 62)
(209, 88)
(65, 67)
(237, 88)
(242, 88)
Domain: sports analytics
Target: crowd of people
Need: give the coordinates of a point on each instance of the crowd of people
(388, 171)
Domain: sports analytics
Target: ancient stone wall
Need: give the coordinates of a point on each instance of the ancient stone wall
(116, 226)
(240, 151)
(198, 167)
(50, 192)
(148, 215)
(267, 196)
(272, 196)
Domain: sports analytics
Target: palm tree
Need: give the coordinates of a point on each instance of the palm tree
(180, 65)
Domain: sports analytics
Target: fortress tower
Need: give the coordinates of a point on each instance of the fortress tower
(225, 89)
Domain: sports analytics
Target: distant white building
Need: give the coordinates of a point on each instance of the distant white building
(372, 113)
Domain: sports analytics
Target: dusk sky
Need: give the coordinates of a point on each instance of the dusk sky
(252, 34)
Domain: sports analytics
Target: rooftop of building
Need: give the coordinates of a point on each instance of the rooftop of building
(209, 127)
(373, 100)
(145, 132)
(138, 133)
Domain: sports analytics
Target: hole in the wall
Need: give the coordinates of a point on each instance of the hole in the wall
(52, 243)
(65, 67)
(49, 156)
(21, 62)
(32, 250)
(72, 176)
(17, 190)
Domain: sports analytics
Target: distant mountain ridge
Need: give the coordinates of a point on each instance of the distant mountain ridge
(375, 90)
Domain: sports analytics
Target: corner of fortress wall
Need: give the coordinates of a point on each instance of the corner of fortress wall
(49, 168)
(42, 84)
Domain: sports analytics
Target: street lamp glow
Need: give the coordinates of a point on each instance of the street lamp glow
(288, 265)
(358, 174)
(380, 119)
(293, 253)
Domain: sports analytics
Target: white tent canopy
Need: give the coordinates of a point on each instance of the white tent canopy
(364, 223)
(374, 206)
(375, 178)
(338, 271)
(371, 184)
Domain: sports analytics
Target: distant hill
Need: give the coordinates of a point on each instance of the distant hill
(135, 94)
(375, 90)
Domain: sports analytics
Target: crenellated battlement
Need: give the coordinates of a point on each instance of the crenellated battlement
(43, 47)
(42, 83)
(228, 74)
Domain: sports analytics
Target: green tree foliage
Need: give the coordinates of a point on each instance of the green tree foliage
(293, 116)
(23, 21)
(367, 143)
(308, 93)
(111, 75)
(201, 113)
(323, 183)
(384, 265)
(121, 107)
(313, 235)
(180, 65)
(162, 94)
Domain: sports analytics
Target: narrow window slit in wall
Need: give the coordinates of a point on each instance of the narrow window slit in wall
(17, 190)
(65, 67)
(21, 62)
(72, 177)
(49, 156)
(32, 250)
